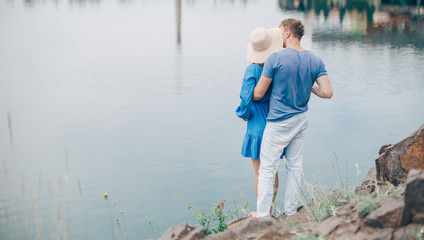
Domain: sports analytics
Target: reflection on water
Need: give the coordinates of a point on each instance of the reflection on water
(80, 3)
(397, 23)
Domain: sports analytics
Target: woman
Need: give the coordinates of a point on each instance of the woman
(262, 43)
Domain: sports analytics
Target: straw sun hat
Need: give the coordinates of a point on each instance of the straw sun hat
(262, 43)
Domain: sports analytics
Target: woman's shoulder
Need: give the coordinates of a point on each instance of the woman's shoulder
(254, 69)
(254, 66)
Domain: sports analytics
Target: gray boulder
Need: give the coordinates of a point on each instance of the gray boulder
(414, 198)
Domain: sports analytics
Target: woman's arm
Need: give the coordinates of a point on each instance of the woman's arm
(244, 110)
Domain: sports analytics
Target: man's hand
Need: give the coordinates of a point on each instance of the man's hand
(324, 88)
(261, 88)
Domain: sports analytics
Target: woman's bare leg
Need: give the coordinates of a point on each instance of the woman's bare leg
(256, 164)
(275, 191)
(277, 181)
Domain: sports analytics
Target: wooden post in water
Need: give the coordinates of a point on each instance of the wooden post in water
(178, 20)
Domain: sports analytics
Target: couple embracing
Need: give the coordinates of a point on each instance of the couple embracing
(274, 96)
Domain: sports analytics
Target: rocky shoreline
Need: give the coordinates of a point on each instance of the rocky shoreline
(394, 189)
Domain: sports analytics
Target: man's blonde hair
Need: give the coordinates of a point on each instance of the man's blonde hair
(295, 26)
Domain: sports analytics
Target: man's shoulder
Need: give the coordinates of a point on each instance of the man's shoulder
(291, 53)
(281, 55)
(282, 52)
(313, 55)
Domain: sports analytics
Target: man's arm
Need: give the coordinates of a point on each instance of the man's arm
(261, 88)
(324, 88)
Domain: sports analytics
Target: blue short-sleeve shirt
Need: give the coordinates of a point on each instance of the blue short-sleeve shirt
(293, 74)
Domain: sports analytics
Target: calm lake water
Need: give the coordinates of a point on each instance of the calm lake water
(139, 96)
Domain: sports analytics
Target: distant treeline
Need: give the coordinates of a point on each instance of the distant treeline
(325, 6)
(401, 2)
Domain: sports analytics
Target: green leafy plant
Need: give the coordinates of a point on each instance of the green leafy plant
(214, 222)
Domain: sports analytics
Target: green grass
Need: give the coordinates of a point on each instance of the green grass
(324, 201)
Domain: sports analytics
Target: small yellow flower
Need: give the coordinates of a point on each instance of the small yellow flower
(105, 195)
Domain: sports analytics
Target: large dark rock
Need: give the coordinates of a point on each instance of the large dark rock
(388, 213)
(255, 228)
(184, 231)
(414, 198)
(397, 159)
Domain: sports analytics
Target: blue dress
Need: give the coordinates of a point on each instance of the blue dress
(255, 111)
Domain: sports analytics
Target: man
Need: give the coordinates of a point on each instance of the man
(293, 71)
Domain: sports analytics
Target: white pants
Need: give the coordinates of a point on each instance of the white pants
(285, 136)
